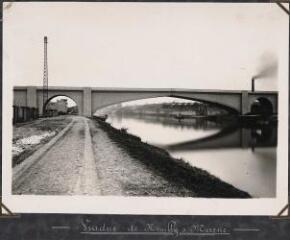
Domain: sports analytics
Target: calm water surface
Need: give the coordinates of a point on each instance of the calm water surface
(245, 158)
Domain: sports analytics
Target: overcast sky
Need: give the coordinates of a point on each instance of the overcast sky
(185, 45)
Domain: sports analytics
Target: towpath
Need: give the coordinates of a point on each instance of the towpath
(68, 167)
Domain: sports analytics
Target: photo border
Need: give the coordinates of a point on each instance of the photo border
(256, 225)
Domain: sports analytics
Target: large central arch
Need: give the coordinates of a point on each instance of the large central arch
(229, 102)
(230, 110)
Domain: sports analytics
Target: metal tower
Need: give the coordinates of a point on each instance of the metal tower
(45, 76)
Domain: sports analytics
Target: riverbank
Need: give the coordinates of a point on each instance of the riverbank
(121, 174)
(196, 180)
(29, 137)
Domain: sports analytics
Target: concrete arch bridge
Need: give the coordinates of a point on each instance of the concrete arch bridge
(89, 99)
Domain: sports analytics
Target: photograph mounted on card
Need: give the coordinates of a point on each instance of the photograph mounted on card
(145, 108)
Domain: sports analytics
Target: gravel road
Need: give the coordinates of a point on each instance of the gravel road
(68, 168)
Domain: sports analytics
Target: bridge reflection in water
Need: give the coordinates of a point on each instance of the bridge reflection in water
(244, 156)
(230, 135)
(259, 136)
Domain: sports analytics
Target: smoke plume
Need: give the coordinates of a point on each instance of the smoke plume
(268, 66)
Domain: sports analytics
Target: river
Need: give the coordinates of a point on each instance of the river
(243, 157)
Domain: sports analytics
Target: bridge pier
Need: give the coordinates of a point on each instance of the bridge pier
(245, 138)
(245, 102)
(87, 102)
(31, 97)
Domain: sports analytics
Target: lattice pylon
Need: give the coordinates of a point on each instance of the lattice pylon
(45, 76)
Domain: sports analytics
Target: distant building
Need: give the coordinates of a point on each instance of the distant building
(58, 107)
(72, 110)
(61, 105)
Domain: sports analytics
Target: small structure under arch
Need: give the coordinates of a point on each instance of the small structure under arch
(262, 106)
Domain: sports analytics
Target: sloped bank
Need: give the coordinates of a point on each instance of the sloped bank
(29, 137)
(175, 170)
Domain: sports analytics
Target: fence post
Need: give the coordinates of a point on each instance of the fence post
(17, 114)
(14, 114)
(21, 114)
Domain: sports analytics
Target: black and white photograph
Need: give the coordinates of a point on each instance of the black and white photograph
(138, 107)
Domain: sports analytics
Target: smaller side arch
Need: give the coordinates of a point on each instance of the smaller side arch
(46, 111)
(75, 95)
(262, 106)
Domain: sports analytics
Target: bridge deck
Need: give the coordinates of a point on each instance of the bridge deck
(123, 89)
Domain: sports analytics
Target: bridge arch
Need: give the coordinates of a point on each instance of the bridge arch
(66, 104)
(100, 103)
(222, 107)
(75, 94)
(262, 106)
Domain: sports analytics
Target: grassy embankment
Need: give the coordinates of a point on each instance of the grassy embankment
(29, 137)
(176, 170)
